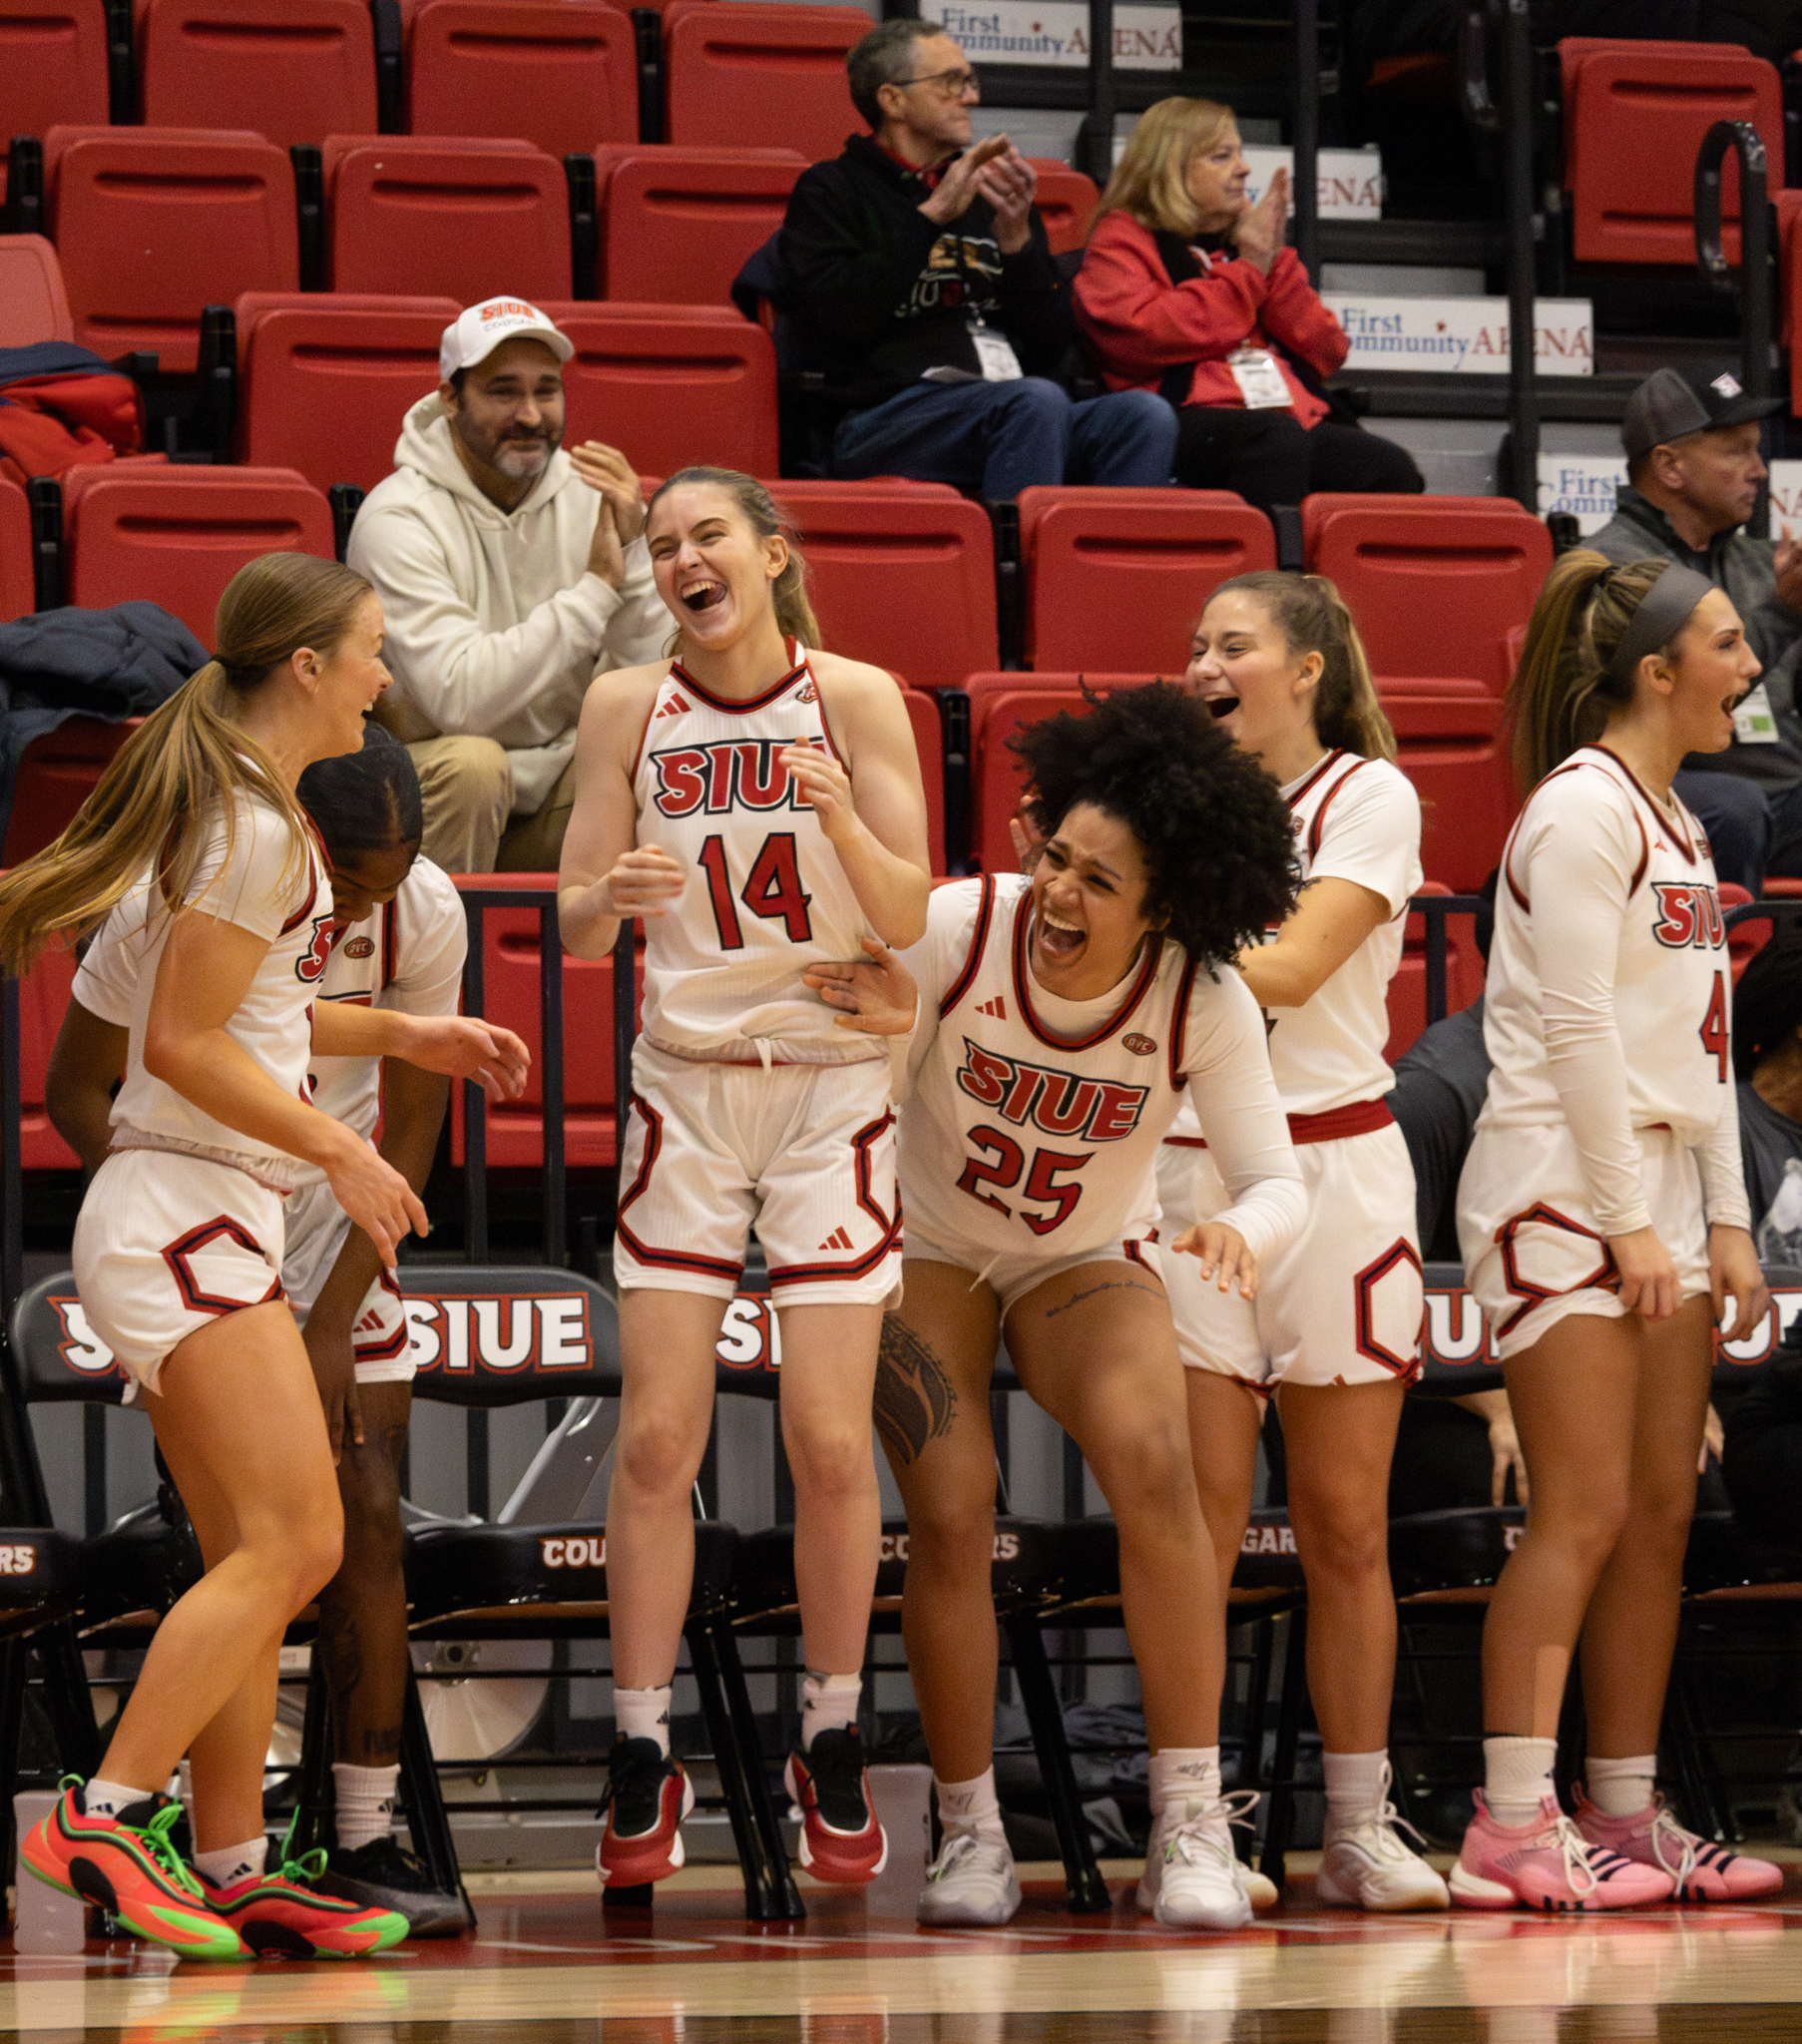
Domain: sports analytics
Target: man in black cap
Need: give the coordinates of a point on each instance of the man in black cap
(1693, 469)
(1768, 1060)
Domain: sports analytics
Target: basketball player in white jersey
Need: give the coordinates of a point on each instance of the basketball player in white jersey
(178, 1251)
(758, 803)
(1056, 1023)
(1603, 1220)
(1333, 1334)
(398, 943)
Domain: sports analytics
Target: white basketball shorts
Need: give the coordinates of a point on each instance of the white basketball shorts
(804, 1153)
(166, 1244)
(1340, 1306)
(1012, 1276)
(379, 1337)
(1533, 1251)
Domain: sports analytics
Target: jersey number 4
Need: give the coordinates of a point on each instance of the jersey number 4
(1010, 1167)
(773, 890)
(1713, 1031)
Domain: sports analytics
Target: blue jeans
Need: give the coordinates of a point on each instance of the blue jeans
(1002, 437)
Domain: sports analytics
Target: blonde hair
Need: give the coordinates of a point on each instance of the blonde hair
(162, 789)
(1561, 691)
(788, 592)
(1150, 180)
(1312, 615)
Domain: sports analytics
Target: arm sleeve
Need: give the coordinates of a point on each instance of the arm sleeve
(262, 882)
(1371, 834)
(1141, 323)
(467, 680)
(430, 978)
(1576, 866)
(108, 973)
(1228, 1066)
(843, 276)
(1723, 1171)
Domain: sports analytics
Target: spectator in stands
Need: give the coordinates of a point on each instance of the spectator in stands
(1694, 470)
(1767, 1058)
(511, 571)
(1188, 290)
(917, 276)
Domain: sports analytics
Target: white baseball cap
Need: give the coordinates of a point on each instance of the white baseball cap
(475, 335)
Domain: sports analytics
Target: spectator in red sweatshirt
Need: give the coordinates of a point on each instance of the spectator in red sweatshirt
(1188, 289)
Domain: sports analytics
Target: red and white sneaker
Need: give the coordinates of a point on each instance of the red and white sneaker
(281, 1915)
(1700, 1870)
(841, 1840)
(1546, 1863)
(648, 1795)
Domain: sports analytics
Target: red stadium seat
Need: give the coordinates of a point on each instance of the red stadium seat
(33, 304)
(57, 773)
(1436, 584)
(679, 223)
(553, 71)
(294, 72)
(328, 381)
(670, 386)
(1634, 117)
(17, 590)
(745, 75)
(929, 742)
(461, 217)
(1117, 578)
(1001, 704)
(1067, 201)
(43, 1002)
(901, 576)
(179, 534)
(53, 64)
(1451, 744)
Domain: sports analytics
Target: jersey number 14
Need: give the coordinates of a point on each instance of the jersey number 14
(772, 891)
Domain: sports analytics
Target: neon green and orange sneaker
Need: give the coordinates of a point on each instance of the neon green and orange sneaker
(127, 1866)
(281, 1915)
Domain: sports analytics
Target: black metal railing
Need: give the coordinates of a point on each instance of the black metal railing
(1755, 284)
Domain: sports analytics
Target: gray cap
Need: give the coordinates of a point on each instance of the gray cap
(1673, 402)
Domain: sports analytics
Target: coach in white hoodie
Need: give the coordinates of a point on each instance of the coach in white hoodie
(511, 573)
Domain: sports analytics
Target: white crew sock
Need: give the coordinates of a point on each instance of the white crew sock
(1187, 1773)
(1620, 1788)
(227, 1866)
(1357, 1785)
(108, 1799)
(828, 1704)
(970, 1807)
(644, 1714)
(1517, 1777)
(365, 1803)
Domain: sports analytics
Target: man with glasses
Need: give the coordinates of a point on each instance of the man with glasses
(915, 274)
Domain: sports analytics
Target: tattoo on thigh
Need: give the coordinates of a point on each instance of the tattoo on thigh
(1095, 1291)
(915, 1401)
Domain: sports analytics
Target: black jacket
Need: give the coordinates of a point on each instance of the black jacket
(877, 295)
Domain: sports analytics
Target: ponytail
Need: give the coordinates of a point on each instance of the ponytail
(788, 592)
(1562, 691)
(160, 793)
(1312, 615)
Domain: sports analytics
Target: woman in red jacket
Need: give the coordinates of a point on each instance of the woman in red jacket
(1188, 289)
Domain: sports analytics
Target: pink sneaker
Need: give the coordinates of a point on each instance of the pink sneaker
(1700, 1870)
(1546, 1863)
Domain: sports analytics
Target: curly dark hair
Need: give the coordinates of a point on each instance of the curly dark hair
(1215, 834)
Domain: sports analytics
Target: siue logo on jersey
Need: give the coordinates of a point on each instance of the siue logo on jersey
(1688, 914)
(733, 774)
(1057, 1102)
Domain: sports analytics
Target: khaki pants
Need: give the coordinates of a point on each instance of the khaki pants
(467, 788)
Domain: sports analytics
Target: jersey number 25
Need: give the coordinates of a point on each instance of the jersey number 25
(1008, 1169)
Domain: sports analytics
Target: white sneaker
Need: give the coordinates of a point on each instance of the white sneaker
(972, 1881)
(1193, 1879)
(1368, 1866)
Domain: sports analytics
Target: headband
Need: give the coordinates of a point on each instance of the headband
(1663, 609)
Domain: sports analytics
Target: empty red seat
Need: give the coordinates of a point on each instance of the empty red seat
(33, 304)
(459, 218)
(326, 383)
(1436, 584)
(153, 223)
(903, 578)
(43, 1002)
(748, 73)
(1452, 744)
(294, 72)
(1115, 578)
(53, 64)
(556, 72)
(1636, 113)
(179, 534)
(1000, 706)
(57, 772)
(670, 386)
(1067, 201)
(679, 223)
(16, 580)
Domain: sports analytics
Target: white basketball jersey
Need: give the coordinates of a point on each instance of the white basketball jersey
(766, 896)
(1016, 1138)
(1672, 983)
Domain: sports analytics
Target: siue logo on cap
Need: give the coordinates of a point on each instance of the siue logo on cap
(1728, 385)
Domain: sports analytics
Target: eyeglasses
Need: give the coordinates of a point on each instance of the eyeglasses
(949, 85)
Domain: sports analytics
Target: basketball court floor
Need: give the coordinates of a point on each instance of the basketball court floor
(546, 1967)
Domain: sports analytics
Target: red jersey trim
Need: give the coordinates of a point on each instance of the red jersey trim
(1684, 845)
(1324, 767)
(1359, 1118)
(1179, 1023)
(1318, 823)
(797, 671)
(985, 915)
(1148, 972)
